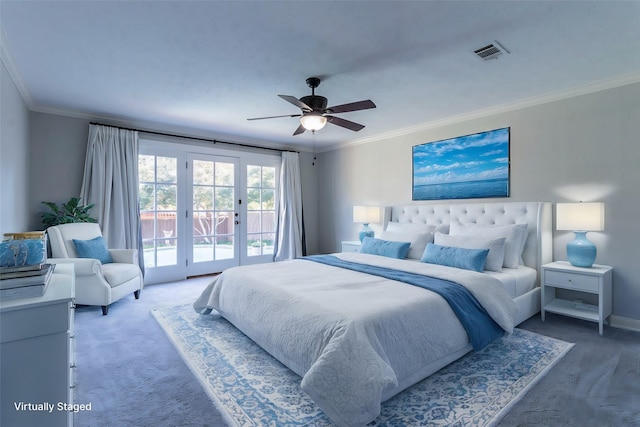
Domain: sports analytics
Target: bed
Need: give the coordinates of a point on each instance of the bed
(361, 327)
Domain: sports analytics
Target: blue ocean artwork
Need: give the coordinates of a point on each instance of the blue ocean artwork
(466, 167)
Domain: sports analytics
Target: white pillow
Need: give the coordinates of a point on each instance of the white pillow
(515, 237)
(495, 258)
(418, 235)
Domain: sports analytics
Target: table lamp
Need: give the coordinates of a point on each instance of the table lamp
(580, 218)
(366, 215)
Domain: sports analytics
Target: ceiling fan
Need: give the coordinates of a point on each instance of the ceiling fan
(315, 113)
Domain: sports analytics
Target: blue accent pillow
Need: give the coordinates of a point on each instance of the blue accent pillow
(468, 259)
(386, 248)
(94, 248)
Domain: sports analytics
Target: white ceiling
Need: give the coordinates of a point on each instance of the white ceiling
(204, 67)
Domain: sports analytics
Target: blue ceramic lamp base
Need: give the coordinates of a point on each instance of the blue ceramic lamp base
(581, 252)
(365, 232)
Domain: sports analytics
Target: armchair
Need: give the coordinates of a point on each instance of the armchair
(96, 283)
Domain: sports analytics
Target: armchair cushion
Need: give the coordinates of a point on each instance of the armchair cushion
(117, 273)
(94, 248)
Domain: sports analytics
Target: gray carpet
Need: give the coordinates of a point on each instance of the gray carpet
(133, 376)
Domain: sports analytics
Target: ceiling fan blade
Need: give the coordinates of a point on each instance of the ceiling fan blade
(352, 106)
(295, 101)
(344, 123)
(300, 130)
(275, 117)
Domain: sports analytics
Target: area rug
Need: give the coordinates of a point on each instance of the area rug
(251, 388)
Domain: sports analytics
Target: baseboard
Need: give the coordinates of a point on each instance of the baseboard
(624, 323)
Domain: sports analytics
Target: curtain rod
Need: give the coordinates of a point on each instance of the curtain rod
(214, 141)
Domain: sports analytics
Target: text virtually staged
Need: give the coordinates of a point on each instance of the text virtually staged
(51, 407)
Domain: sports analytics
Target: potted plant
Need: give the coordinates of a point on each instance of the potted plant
(69, 212)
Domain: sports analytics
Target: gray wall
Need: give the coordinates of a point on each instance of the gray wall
(57, 152)
(583, 148)
(309, 178)
(14, 156)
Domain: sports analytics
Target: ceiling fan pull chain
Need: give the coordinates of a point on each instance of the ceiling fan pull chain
(313, 133)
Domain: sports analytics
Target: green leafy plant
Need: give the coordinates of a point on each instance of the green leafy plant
(69, 212)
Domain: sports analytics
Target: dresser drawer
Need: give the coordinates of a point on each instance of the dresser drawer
(34, 321)
(578, 282)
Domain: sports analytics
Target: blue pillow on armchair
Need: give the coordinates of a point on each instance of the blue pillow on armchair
(94, 248)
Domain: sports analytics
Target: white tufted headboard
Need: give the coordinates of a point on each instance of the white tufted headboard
(538, 249)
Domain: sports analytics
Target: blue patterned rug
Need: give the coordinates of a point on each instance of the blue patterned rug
(251, 388)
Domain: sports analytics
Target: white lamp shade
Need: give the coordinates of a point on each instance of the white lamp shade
(312, 121)
(366, 214)
(580, 216)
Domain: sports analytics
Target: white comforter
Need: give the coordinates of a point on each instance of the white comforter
(355, 339)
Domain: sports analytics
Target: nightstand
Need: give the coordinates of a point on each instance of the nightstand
(351, 246)
(595, 280)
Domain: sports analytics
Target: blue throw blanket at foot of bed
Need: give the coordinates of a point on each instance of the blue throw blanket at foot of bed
(480, 327)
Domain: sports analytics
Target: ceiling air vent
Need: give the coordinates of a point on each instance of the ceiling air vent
(490, 51)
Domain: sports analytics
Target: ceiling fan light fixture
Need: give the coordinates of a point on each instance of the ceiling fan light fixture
(314, 113)
(313, 121)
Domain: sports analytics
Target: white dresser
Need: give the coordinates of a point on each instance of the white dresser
(37, 355)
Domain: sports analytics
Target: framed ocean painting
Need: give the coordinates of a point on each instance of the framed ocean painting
(465, 167)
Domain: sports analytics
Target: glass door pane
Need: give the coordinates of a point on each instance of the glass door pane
(214, 214)
(158, 186)
(261, 213)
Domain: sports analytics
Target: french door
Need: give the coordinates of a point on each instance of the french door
(213, 214)
(161, 202)
(202, 213)
(258, 213)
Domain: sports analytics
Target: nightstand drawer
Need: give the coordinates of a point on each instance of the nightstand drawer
(351, 246)
(578, 282)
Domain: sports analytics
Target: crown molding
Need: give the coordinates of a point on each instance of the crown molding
(586, 89)
(6, 57)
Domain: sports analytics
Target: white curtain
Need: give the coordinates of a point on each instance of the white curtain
(111, 183)
(290, 229)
